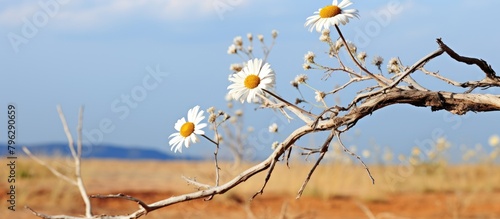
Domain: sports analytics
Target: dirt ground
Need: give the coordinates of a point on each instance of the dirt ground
(431, 205)
(50, 195)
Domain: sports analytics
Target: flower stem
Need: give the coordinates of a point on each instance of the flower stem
(356, 61)
(209, 139)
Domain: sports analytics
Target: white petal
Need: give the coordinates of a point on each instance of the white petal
(173, 135)
(321, 23)
(199, 132)
(199, 117)
(234, 85)
(266, 82)
(177, 148)
(176, 143)
(311, 19)
(191, 138)
(198, 128)
(258, 65)
(179, 124)
(186, 142)
(250, 96)
(344, 3)
(192, 113)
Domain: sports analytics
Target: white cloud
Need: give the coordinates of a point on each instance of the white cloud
(14, 14)
(93, 13)
(391, 10)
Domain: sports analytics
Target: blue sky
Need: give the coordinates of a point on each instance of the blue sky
(93, 53)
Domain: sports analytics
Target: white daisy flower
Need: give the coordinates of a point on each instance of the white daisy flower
(187, 129)
(251, 81)
(330, 15)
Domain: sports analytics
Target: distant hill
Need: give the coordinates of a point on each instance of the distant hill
(102, 151)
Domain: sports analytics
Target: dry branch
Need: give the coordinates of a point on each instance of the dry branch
(76, 154)
(490, 73)
(338, 119)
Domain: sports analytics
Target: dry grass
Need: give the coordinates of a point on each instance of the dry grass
(153, 180)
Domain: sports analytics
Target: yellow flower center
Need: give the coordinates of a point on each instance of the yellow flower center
(329, 11)
(252, 81)
(187, 129)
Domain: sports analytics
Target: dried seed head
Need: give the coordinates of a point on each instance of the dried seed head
(309, 57)
(274, 34)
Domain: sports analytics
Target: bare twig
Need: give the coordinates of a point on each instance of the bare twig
(324, 149)
(380, 80)
(77, 157)
(79, 134)
(440, 77)
(356, 156)
(352, 80)
(292, 107)
(234, 138)
(284, 208)
(67, 132)
(76, 154)
(54, 171)
(288, 156)
(44, 216)
(309, 151)
(195, 183)
(365, 210)
(266, 49)
(248, 210)
(411, 82)
(126, 197)
(216, 161)
(266, 180)
(329, 71)
(483, 65)
(420, 63)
